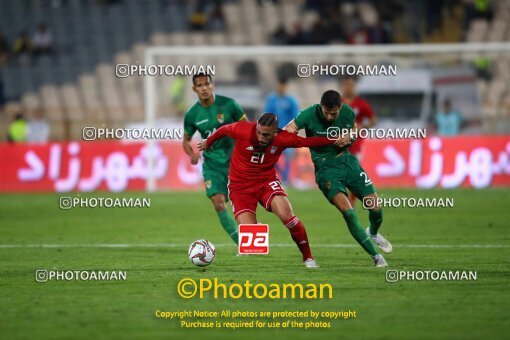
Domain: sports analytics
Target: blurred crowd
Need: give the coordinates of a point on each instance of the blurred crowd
(207, 16)
(340, 23)
(333, 22)
(26, 46)
(34, 130)
(334, 26)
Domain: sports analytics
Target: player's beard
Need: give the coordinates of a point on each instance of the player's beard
(263, 146)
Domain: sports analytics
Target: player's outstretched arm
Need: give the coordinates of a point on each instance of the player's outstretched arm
(202, 145)
(291, 127)
(294, 141)
(310, 142)
(348, 138)
(224, 131)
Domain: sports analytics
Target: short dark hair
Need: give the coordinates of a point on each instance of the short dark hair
(201, 74)
(283, 80)
(268, 119)
(331, 99)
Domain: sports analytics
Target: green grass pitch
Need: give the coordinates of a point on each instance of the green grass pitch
(125, 309)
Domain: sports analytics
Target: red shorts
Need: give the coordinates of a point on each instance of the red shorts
(263, 193)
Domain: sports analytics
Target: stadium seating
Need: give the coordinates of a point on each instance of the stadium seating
(77, 84)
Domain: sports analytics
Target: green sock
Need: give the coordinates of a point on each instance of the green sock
(228, 224)
(358, 232)
(375, 217)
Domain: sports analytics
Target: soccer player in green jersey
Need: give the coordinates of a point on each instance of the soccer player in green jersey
(208, 114)
(337, 170)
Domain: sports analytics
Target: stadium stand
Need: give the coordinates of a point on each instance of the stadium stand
(74, 83)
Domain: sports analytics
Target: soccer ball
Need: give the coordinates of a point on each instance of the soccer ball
(201, 253)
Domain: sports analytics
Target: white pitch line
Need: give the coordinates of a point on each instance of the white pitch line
(177, 245)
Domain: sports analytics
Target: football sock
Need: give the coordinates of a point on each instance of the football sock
(228, 224)
(375, 217)
(298, 233)
(358, 232)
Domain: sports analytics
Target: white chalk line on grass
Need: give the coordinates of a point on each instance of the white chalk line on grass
(180, 245)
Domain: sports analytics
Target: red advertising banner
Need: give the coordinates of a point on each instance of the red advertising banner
(90, 166)
(446, 162)
(466, 161)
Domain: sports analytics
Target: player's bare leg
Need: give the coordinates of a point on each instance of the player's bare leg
(219, 202)
(342, 203)
(281, 207)
(375, 216)
(246, 217)
(352, 199)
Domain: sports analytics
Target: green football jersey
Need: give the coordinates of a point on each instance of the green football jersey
(312, 120)
(206, 120)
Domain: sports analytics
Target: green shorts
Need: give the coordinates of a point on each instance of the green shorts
(342, 173)
(215, 180)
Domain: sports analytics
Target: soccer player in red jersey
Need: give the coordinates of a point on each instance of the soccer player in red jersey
(365, 117)
(252, 175)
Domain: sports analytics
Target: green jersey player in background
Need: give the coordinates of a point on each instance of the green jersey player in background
(208, 114)
(337, 170)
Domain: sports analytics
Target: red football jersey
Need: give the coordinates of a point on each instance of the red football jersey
(363, 111)
(251, 163)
